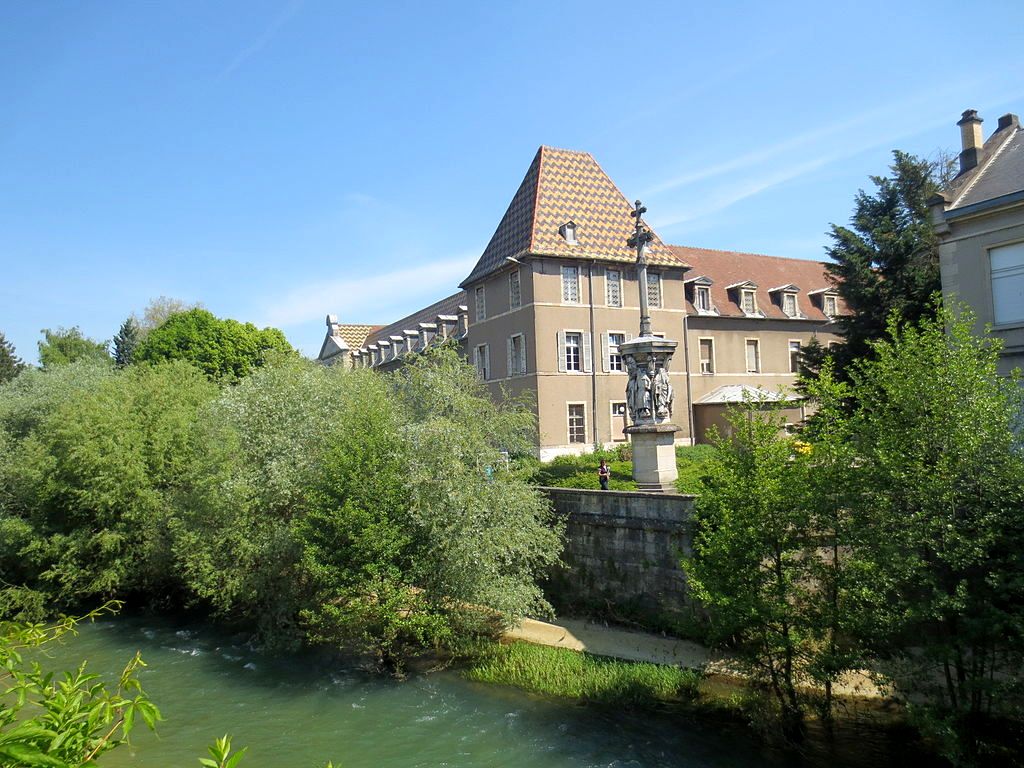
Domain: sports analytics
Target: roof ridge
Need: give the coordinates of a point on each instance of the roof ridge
(565, 149)
(981, 171)
(749, 253)
(536, 195)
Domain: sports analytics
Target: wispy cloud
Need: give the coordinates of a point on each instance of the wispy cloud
(379, 297)
(265, 37)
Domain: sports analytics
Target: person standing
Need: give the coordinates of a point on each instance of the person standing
(603, 474)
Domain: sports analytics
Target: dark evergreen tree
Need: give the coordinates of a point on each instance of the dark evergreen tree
(888, 259)
(125, 342)
(10, 364)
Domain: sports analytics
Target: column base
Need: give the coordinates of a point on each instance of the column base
(654, 457)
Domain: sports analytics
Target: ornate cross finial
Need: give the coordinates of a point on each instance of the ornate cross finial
(641, 235)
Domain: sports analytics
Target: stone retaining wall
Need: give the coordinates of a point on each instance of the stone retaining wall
(622, 552)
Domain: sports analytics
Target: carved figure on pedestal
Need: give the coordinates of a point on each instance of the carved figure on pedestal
(638, 390)
(663, 394)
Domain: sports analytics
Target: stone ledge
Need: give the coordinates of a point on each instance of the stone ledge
(549, 489)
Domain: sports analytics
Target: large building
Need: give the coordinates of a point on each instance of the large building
(980, 222)
(555, 292)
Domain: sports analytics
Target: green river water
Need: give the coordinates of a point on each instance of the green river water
(302, 710)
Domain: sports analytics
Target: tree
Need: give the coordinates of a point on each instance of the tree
(68, 345)
(125, 342)
(888, 259)
(222, 349)
(160, 309)
(939, 526)
(10, 364)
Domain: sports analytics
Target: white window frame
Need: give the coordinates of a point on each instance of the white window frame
(515, 297)
(577, 337)
(586, 363)
(480, 295)
(757, 355)
(830, 298)
(513, 368)
(700, 360)
(568, 269)
(483, 369)
(789, 348)
(609, 368)
(654, 281)
(790, 296)
(621, 437)
(752, 292)
(702, 290)
(608, 286)
(568, 422)
(1012, 314)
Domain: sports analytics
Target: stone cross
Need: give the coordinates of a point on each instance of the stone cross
(641, 237)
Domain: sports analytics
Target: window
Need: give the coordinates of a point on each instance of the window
(794, 357)
(577, 423)
(618, 421)
(789, 304)
(613, 288)
(571, 285)
(653, 289)
(748, 301)
(573, 351)
(702, 298)
(481, 304)
(1007, 283)
(514, 293)
(516, 355)
(614, 358)
(568, 231)
(753, 356)
(483, 361)
(707, 355)
(828, 305)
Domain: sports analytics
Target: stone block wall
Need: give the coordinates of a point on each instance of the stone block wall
(621, 556)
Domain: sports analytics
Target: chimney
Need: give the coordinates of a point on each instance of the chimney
(970, 139)
(463, 319)
(1007, 120)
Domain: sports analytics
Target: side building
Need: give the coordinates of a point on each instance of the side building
(555, 293)
(979, 219)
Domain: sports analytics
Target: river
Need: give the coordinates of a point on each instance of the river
(298, 711)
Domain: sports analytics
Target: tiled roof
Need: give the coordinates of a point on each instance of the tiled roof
(562, 185)
(727, 268)
(742, 393)
(355, 335)
(446, 306)
(999, 172)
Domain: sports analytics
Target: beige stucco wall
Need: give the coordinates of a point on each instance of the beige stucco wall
(966, 272)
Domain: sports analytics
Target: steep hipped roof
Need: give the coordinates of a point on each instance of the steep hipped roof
(999, 172)
(726, 268)
(341, 338)
(562, 185)
(446, 306)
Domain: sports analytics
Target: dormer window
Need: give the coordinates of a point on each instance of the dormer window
(568, 231)
(789, 304)
(748, 301)
(698, 292)
(786, 297)
(830, 305)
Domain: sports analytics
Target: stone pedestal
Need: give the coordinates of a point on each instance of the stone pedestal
(649, 398)
(654, 457)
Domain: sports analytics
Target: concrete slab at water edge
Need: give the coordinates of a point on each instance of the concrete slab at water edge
(600, 640)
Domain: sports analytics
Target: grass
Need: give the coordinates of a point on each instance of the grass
(581, 471)
(580, 676)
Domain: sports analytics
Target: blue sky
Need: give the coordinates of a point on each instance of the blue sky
(279, 160)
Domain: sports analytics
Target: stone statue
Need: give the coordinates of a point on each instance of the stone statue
(663, 394)
(638, 390)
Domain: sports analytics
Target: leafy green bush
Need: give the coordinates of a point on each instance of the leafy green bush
(581, 471)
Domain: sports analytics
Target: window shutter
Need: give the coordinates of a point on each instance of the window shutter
(522, 346)
(606, 364)
(487, 362)
(587, 362)
(509, 371)
(561, 351)
(476, 358)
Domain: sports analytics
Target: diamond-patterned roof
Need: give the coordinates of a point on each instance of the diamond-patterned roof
(563, 185)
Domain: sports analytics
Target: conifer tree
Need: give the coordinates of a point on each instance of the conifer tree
(888, 258)
(125, 342)
(10, 364)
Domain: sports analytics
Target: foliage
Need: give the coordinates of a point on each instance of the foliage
(581, 471)
(939, 495)
(581, 676)
(66, 720)
(10, 364)
(158, 310)
(125, 342)
(752, 555)
(91, 461)
(222, 349)
(68, 345)
(888, 259)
